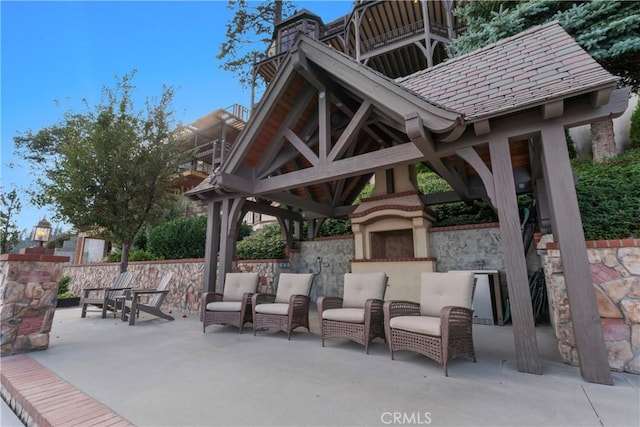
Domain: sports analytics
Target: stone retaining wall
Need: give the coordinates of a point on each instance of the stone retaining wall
(615, 271)
(457, 248)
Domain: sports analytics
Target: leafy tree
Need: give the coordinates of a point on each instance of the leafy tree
(110, 168)
(10, 208)
(608, 30)
(249, 34)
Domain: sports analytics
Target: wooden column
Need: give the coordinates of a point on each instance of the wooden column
(211, 247)
(231, 211)
(515, 264)
(567, 229)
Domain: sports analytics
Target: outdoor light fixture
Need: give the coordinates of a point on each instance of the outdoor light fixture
(41, 232)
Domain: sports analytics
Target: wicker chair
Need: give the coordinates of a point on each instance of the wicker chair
(288, 308)
(233, 306)
(439, 327)
(358, 316)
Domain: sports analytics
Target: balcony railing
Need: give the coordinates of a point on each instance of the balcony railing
(403, 33)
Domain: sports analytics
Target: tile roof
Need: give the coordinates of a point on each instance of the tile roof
(526, 69)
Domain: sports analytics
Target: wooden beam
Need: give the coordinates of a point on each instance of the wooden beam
(293, 114)
(526, 124)
(351, 131)
(301, 203)
(302, 147)
(357, 165)
(386, 95)
(567, 229)
(482, 127)
(471, 156)
(553, 109)
(267, 209)
(235, 183)
(419, 137)
(324, 125)
(600, 97)
(524, 332)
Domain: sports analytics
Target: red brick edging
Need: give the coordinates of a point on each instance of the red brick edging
(596, 244)
(48, 400)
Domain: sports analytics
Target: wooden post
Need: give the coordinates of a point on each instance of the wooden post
(211, 247)
(524, 332)
(231, 210)
(567, 229)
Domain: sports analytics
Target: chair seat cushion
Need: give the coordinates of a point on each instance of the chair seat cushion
(419, 324)
(275, 308)
(349, 315)
(224, 306)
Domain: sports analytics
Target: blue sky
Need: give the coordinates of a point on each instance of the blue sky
(67, 51)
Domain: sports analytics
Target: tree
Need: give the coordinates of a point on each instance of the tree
(252, 25)
(608, 30)
(109, 169)
(9, 209)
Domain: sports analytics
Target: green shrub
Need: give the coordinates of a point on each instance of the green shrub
(179, 239)
(609, 196)
(265, 243)
(134, 255)
(63, 288)
(634, 129)
(335, 227)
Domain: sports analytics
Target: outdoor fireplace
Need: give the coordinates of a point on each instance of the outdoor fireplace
(391, 233)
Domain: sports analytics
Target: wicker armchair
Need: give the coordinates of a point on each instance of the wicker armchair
(439, 327)
(358, 316)
(233, 306)
(288, 308)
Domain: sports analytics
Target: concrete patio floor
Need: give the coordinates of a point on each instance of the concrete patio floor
(160, 373)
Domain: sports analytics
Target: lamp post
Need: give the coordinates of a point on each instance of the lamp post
(41, 232)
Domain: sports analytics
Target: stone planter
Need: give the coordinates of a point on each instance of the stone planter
(68, 302)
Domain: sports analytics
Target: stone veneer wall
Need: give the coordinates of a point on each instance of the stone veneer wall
(615, 271)
(457, 248)
(28, 295)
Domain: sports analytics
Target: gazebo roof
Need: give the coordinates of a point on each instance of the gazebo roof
(527, 69)
(316, 153)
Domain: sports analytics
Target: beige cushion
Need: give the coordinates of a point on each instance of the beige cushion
(224, 306)
(348, 315)
(275, 308)
(238, 284)
(359, 287)
(419, 324)
(438, 290)
(293, 284)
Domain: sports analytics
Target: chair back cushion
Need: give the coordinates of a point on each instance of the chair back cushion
(359, 287)
(438, 290)
(293, 284)
(238, 284)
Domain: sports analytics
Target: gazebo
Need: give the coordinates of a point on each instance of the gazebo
(490, 123)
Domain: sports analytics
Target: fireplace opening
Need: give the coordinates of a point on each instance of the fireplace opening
(393, 244)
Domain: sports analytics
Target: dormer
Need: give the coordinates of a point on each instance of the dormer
(303, 21)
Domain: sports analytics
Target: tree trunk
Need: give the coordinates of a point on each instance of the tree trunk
(124, 257)
(603, 143)
(277, 13)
